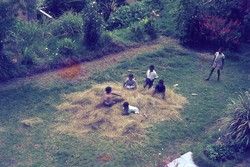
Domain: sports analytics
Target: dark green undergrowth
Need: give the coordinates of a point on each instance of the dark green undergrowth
(39, 145)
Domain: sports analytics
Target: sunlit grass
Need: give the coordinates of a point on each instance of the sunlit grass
(39, 145)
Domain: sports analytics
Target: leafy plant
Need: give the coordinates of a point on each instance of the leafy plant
(239, 121)
(219, 31)
(59, 7)
(68, 25)
(126, 15)
(150, 27)
(92, 25)
(219, 152)
(108, 6)
(66, 47)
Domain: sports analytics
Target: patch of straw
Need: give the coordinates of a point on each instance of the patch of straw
(87, 117)
(32, 121)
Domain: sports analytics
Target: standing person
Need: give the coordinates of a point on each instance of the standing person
(160, 88)
(218, 62)
(151, 76)
(130, 82)
(128, 109)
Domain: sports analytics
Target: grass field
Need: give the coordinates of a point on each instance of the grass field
(39, 145)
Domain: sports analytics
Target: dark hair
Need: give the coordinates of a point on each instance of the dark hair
(125, 104)
(108, 89)
(161, 81)
(152, 67)
(131, 76)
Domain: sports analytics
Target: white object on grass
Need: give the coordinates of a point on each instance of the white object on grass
(185, 160)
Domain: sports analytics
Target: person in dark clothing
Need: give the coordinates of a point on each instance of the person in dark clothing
(160, 88)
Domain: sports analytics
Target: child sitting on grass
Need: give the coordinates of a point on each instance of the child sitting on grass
(130, 83)
(160, 88)
(110, 98)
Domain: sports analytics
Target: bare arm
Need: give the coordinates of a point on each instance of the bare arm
(116, 94)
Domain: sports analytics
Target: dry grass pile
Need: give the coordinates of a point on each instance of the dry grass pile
(87, 116)
(32, 122)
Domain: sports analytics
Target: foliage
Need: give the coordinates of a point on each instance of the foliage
(126, 15)
(66, 47)
(69, 24)
(239, 121)
(92, 25)
(212, 22)
(7, 21)
(59, 7)
(219, 152)
(143, 30)
(108, 6)
(220, 32)
(150, 27)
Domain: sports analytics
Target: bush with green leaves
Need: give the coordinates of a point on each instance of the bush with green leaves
(68, 25)
(28, 41)
(219, 152)
(108, 6)
(93, 25)
(212, 23)
(238, 121)
(59, 7)
(66, 47)
(126, 15)
(7, 22)
(144, 30)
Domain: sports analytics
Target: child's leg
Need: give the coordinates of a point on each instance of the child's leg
(145, 83)
(150, 84)
(211, 72)
(218, 72)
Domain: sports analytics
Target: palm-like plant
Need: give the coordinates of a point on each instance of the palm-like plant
(108, 6)
(239, 121)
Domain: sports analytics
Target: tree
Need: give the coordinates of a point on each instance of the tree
(58, 7)
(108, 6)
(92, 25)
(7, 20)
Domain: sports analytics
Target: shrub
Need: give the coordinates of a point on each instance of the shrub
(150, 27)
(108, 6)
(219, 152)
(58, 7)
(7, 21)
(143, 30)
(137, 32)
(126, 15)
(7, 68)
(219, 31)
(92, 25)
(105, 40)
(66, 47)
(239, 121)
(68, 25)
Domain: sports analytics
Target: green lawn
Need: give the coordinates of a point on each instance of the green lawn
(38, 145)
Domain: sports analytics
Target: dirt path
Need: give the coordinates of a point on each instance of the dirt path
(82, 71)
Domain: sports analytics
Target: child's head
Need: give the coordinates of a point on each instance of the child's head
(130, 76)
(220, 50)
(108, 89)
(151, 68)
(125, 105)
(161, 82)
